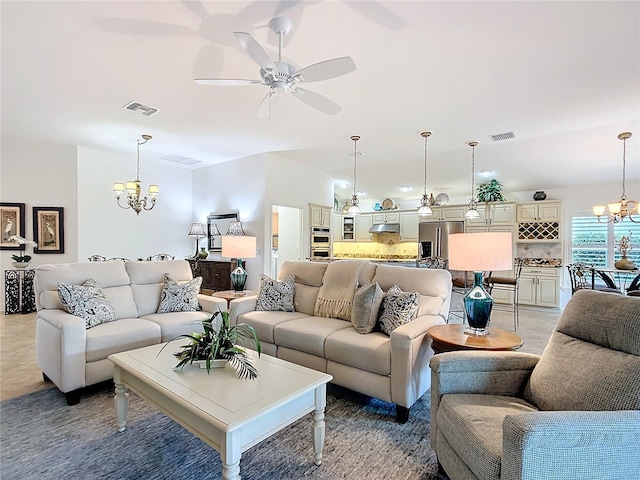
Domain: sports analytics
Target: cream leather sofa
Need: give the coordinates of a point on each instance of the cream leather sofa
(394, 369)
(74, 357)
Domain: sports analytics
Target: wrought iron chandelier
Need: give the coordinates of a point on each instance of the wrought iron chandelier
(424, 208)
(354, 209)
(617, 211)
(472, 208)
(133, 189)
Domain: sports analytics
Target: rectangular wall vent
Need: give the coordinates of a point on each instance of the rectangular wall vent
(180, 159)
(503, 136)
(143, 109)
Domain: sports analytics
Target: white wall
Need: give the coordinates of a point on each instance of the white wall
(105, 229)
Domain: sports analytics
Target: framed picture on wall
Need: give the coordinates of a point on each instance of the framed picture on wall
(12, 223)
(222, 222)
(48, 229)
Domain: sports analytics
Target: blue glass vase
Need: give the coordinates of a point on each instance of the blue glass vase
(478, 304)
(239, 277)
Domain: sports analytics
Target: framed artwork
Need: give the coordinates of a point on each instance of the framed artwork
(12, 223)
(48, 229)
(222, 221)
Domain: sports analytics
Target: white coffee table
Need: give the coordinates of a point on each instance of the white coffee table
(229, 414)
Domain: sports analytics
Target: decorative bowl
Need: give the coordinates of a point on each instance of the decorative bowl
(20, 264)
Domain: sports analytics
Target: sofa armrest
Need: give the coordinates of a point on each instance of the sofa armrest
(211, 304)
(571, 444)
(241, 305)
(61, 341)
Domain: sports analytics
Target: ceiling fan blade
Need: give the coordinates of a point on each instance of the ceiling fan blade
(255, 51)
(268, 105)
(317, 101)
(226, 81)
(327, 69)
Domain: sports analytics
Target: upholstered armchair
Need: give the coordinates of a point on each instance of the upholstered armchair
(573, 412)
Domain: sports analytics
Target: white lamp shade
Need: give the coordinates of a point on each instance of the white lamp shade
(598, 210)
(238, 246)
(197, 230)
(154, 190)
(118, 187)
(477, 252)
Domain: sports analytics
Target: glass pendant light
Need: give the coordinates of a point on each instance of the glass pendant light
(354, 209)
(472, 208)
(424, 208)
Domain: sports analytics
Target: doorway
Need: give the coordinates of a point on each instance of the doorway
(286, 236)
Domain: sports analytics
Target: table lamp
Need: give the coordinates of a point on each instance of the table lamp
(478, 252)
(238, 247)
(197, 230)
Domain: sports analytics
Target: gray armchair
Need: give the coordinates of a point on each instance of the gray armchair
(571, 413)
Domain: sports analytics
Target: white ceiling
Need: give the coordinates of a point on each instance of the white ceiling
(563, 76)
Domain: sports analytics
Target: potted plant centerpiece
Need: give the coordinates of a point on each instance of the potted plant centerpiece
(624, 246)
(22, 260)
(491, 192)
(220, 343)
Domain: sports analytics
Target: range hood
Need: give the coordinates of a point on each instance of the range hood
(385, 228)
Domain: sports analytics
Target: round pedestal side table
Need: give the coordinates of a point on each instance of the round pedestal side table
(451, 337)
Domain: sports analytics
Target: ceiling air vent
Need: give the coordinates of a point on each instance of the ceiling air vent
(138, 107)
(503, 136)
(180, 159)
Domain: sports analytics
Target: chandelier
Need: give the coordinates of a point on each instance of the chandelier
(472, 208)
(354, 208)
(617, 211)
(424, 208)
(133, 188)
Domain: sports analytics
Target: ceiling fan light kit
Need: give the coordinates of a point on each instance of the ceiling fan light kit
(618, 211)
(282, 77)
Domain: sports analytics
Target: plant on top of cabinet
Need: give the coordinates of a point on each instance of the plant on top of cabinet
(490, 192)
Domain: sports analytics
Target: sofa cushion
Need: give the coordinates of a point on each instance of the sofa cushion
(175, 324)
(366, 305)
(179, 297)
(597, 332)
(398, 308)
(308, 281)
(276, 296)
(472, 425)
(120, 336)
(87, 301)
(367, 352)
(265, 323)
(308, 334)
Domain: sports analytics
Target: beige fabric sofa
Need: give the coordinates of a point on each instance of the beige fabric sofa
(394, 369)
(74, 357)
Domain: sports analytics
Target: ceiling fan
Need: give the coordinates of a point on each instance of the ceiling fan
(282, 77)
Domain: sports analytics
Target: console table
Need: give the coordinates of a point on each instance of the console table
(216, 274)
(19, 295)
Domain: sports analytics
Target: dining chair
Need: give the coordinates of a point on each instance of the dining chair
(97, 258)
(633, 289)
(160, 257)
(582, 277)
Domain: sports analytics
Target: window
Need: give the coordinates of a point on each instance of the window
(596, 243)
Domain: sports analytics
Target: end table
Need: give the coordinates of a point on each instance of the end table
(19, 295)
(451, 337)
(229, 295)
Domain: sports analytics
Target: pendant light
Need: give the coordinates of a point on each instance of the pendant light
(133, 188)
(623, 208)
(424, 208)
(472, 208)
(354, 209)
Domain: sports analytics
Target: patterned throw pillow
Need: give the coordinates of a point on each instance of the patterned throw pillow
(87, 301)
(366, 305)
(398, 308)
(274, 296)
(179, 297)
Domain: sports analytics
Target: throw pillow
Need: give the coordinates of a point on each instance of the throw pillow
(87, 301)
(179, 297)
(274, 296)
(366, 305)
(398, 308)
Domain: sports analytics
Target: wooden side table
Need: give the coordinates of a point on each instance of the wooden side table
(229, 295)
(451, 337)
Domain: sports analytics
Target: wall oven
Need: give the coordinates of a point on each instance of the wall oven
(320, 253)
(320, 238)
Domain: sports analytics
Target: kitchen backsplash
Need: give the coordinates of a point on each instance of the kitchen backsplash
(377, 250)
(529, 250)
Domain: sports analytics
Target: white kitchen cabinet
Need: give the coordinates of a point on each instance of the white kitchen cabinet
(336, 227)
(494, 214)
(539, 286)
(363, 224)
(319, 216)
(390, 217)
(444, 214)
(348, 228)
(409, 226)
(539, 212)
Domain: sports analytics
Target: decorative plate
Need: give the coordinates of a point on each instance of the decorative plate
(442, 199)
(387, 204)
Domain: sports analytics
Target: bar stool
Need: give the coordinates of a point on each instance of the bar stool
(508, 284)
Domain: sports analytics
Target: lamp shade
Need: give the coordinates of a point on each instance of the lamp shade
(197, 230)
(476, 252)
(238, 246)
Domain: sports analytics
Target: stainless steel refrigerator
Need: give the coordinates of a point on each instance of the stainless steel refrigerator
(433, 238)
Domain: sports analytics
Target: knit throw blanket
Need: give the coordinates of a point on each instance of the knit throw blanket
(339, 283)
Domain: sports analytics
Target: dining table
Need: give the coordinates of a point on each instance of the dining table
(622, 278)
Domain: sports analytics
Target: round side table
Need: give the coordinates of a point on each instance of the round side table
(447, 338)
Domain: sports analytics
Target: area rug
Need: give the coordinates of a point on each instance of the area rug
(43, 438)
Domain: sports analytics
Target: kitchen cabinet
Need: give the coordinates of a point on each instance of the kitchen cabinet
(540, 286)
(216, 274)
(319, 216)
(444, 214)
(539, 212)
(409, 226)
(495, 214)
(336, 227)
(363, 224)
(348, 228)
(392, 217)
